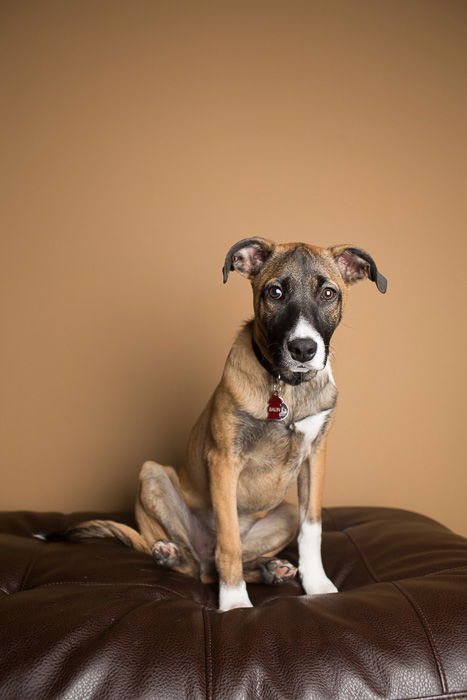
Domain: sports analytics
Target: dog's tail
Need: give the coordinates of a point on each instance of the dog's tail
(99, 528)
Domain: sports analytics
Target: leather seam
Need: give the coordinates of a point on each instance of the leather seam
(28, 569)
(426, 628)
(460, 695)
(362, 557)
(331, 517)
(207, 654)
(451, 570)
(110, 583)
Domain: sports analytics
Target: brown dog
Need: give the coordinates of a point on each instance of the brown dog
(264, 428)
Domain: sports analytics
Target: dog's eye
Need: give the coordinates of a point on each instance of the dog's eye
(328, 293)
(274, 292)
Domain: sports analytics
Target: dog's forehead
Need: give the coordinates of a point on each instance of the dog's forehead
(300, 260)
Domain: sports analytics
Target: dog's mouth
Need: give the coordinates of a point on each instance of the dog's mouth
(281, 359)
(288, 364)
(302, 368)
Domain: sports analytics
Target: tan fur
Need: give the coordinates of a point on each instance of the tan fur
(246, 485)
(311, 483)
(109, 528)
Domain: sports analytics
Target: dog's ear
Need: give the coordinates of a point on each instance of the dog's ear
(356, 264)
(247, 256)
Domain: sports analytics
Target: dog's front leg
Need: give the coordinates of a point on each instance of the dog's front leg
(223, 480)
(310, 492)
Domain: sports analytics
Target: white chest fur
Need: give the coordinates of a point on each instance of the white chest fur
(311, 427)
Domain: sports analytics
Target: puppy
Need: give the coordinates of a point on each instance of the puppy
(264, 428)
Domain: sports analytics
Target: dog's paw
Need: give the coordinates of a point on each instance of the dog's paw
(317, 584)
(165, 553)
(231, 597)
(278, 571)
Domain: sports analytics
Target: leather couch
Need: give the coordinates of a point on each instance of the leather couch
(96, 620)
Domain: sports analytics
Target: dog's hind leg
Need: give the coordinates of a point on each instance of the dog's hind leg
(266, 537)
(167, 525)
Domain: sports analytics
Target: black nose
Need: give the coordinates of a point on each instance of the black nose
(302, 349)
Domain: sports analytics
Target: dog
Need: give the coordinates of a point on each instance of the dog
(264, 429)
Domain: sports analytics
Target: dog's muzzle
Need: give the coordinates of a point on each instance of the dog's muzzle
(302, 349)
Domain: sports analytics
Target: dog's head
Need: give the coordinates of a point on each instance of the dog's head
(299, 291)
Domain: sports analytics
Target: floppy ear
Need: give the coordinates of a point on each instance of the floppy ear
(247, 256)
(356, 264)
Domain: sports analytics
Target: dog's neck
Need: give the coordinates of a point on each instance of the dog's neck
(251, 385)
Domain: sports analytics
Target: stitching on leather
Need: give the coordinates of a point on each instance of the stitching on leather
(426, 628)
(450, 696)
(29, 567)
(331, 517)
(119, 583)
(362, 557)
(452, 570)
(207, 653)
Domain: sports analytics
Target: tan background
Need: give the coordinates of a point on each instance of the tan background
(141, 140)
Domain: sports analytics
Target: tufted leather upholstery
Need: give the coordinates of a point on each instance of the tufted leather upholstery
(96, 620)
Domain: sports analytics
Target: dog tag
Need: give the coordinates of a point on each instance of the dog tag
(277, 408)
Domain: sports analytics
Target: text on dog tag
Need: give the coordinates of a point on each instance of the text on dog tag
(277, 408)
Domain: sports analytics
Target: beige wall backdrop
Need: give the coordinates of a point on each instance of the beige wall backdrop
(140, 140)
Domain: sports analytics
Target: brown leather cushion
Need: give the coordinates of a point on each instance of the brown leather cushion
(96, 620)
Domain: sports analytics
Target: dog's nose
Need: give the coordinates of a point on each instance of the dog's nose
(302, 349)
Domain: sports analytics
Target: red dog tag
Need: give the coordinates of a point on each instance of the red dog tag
(277, 408)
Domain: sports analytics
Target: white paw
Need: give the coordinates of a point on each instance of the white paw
(231, 597)
(317, 584)
(237, 604)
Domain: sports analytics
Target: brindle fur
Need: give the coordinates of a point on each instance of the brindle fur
(225, 507)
